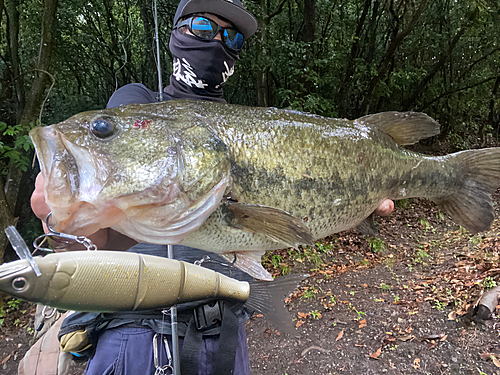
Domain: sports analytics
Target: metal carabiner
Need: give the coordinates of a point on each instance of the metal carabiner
(206, 258)
(161, 370)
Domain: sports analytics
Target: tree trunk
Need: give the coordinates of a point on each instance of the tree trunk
(343, 94)
(33, 104)
(13, 46)
(149, 46)
(308, 37)
(384, 66)
(443, 58)
(41, 81)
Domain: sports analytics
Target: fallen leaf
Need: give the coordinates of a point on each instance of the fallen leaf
(496, 362)
(339, 336)
(416, 363)
(314, 347)
(303, 315)
(406, 337)
(452, 315)
(486, 355)
(409, 330)
(6, 359)
(362, 323)
(299, 323)
(376, 354)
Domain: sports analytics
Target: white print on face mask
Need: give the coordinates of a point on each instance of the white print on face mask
(228, 73)
(189, 77)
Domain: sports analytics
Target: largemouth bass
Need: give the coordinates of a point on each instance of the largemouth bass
(234, 179)
(109, 281)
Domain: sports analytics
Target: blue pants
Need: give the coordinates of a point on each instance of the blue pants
(129, 351)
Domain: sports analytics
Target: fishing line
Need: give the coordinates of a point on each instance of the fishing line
(176, 368)
(122, 43)
(158, 61)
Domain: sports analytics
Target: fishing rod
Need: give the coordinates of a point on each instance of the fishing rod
(170, 251)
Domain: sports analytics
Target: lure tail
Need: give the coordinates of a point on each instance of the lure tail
(268, 298)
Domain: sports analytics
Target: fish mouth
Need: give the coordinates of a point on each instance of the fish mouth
(58, 165)
(72, 184)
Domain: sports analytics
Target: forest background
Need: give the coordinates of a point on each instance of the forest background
(337, 58)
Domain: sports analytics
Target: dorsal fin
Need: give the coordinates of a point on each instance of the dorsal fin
(406, 128)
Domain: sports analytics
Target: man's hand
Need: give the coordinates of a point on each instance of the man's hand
(385, 208)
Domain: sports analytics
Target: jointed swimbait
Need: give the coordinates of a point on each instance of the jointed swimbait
(106, 281)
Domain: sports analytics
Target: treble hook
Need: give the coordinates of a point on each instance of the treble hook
(37, 243)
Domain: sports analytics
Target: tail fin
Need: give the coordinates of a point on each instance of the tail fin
(268, 298)
(472, 206)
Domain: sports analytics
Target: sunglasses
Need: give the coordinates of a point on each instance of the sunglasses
(205, 28)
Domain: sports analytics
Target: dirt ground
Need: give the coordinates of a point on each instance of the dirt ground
(394, 304)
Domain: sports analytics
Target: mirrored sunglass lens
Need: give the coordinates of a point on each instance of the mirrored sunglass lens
(203, 28)
(233, 39)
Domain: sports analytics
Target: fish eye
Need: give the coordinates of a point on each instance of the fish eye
(103, 127)
(19, 284)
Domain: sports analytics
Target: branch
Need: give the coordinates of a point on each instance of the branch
(277, 11)
(447, 93)
(478, 61)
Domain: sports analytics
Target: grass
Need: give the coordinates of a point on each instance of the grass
(489, 282)
(376, 244)
(310, 293)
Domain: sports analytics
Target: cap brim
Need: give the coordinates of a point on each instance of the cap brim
(239, 17)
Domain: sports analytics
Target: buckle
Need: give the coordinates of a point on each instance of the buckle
(208, 315)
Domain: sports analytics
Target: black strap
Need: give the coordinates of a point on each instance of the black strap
(191, 349)
(228, 343)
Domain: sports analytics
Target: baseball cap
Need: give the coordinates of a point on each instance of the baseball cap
(232, 10)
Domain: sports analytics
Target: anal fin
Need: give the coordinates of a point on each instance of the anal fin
(368, 226)
(249, 262)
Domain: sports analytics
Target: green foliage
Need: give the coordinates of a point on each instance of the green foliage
(420, 256)
(385, 286)
(426, 225)
(376, 244)
(14, 145)
(310, 293)
(11, 305)
(316, 314)
(489, 282)
(402, 203)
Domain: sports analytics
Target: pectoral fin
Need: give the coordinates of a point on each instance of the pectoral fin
(249, 262)
(368, 226)
(277, 224)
